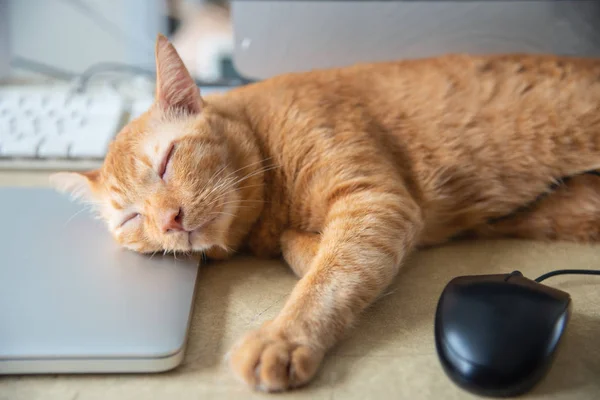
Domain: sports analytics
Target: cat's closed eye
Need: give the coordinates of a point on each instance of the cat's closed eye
(165, 161)
(129, 218)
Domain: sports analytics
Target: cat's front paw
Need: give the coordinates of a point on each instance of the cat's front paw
(268, 361)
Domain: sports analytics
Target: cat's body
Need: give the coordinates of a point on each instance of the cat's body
(470, 138)
(346, 171)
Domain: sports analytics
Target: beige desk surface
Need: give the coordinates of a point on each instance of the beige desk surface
(391, 352)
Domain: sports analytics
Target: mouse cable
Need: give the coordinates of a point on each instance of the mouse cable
(567, 272)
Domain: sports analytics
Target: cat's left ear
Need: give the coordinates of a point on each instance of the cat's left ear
(175, 88)
(80, 185)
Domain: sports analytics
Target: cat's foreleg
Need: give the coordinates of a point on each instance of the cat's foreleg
(365, 238)
(299, 249)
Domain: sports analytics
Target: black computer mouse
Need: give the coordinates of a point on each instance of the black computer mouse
(496, 335)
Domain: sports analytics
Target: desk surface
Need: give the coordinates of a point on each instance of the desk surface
(390, 354)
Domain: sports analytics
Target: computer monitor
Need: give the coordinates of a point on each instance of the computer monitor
(273, 37)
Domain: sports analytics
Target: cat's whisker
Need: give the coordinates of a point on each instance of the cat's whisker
(201, 198)
(219, 195)
(248, 187)
(222, 213)
(74, 215)
(231, 176)
(248, 166)
(216, 185)
(214, 176)
(232, 187)
(223, 168)
(228, 183)
(257, 172)
(221, 187)
(243, 201)
(232, 190)
(241, 205)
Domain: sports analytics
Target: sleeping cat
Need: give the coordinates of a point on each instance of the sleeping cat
(346, 171)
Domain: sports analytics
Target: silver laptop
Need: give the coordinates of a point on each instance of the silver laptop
(72, 301)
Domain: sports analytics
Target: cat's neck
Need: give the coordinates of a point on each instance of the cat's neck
(248, 162)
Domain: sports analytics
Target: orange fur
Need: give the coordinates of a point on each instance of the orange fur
(570, 213)
(346, 171)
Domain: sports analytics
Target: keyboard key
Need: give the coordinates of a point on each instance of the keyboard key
(73, 128)
(54, 148)
(5, 128)
(49, 129)
(92, 141)
(31, 103)
(88, 149)
(25, 127)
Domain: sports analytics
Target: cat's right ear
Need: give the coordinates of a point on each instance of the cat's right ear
(80, 185)
(175, 88)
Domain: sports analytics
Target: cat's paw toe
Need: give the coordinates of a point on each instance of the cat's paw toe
(271, 363)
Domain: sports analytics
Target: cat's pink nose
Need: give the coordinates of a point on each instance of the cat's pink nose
(172, 221)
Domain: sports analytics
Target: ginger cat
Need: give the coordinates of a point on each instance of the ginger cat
(346, 171)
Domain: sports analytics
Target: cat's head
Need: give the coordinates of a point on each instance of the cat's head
(167, 182)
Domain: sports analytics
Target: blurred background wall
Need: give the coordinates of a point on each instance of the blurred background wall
(72, 35)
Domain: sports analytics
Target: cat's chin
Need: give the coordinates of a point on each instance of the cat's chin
(208, 235)
(196, 241)
(200, 240)
(213, 233)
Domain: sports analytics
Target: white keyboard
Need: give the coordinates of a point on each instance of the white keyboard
(56, 128)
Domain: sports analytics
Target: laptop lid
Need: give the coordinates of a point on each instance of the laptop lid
(71, 300)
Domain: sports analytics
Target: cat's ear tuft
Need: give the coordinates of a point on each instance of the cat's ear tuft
(175, 88)
(80, 185)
